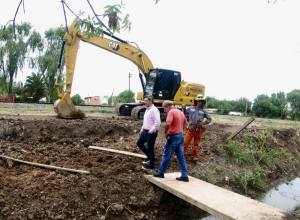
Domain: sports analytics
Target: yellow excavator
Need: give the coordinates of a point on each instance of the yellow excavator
(162, 84)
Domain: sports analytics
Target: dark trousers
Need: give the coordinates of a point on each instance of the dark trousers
(149, 150)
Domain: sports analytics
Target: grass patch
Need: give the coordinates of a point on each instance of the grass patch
(254, 179)
(239, 154)
(297, 207)
(107, 111)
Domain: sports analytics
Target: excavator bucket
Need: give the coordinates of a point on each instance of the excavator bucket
(65, 108)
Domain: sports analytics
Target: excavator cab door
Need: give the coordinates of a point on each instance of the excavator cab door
(163, 84)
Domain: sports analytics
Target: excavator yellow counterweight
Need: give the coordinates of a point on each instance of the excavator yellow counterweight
(65, 108)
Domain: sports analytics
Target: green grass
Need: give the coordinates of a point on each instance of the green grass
(254, 178)
(256, 158)
(239, 154)
(278, 123)
(8, 109)
(297, 207)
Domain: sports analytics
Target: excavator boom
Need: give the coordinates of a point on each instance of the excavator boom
(64, 106)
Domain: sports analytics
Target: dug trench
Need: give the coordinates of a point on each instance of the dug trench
(116, 187)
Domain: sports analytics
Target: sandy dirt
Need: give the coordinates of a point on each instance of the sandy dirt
(116, 187)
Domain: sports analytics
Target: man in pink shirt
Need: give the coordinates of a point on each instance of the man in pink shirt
(175, 123)
(149, 132)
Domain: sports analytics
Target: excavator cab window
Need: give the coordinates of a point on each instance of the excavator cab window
(163, 84)
(150, 83)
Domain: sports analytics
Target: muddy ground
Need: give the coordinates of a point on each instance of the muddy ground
(116, 187)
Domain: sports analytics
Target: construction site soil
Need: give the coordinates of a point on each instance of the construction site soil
(115, 187)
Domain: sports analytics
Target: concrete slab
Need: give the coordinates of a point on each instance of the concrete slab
(118, 151)
(217, 201)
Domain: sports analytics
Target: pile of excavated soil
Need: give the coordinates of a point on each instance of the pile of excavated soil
(116, 187)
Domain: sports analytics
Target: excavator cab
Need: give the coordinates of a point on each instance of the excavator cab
(162, 84)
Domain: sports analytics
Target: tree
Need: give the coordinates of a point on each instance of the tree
(261, 97)
(279, 100)
(112, 100)
(124, 96)
(224, 107)
(35, 86)
(3, 85)
(14, 51)
(294, 100)
(77, 100)
(241, 104)
(211, 102)
(18, 91)
(48, 58)
(264, 108)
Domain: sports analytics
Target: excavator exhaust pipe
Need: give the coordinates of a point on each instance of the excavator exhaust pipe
(65, 108)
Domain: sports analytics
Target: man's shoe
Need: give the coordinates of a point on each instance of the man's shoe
(184, 179)
(160, 175)
(194, 159)
(147, 167)
(146, 161)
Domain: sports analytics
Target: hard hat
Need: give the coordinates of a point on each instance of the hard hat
(200, 97)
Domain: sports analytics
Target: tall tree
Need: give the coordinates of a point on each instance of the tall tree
(264, 108)
(279, 100)
(112, 100)
(35, 86)
(77, 100)
(242, 104)
(125, 97)
(224, 107)
(294, 100)
(15, 50)
(261, 97)
(48, 58)
(211, 102)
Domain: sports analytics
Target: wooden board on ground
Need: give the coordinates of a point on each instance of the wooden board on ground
(241, 128)
(217, 201)
(118, 151)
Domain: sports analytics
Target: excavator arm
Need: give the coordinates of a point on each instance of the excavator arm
(64, 106)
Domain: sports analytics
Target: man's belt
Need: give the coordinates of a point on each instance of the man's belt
(176, 134)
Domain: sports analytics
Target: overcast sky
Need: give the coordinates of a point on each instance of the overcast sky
(235, 48)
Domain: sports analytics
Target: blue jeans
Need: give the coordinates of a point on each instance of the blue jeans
(149, 150)
(176, 146)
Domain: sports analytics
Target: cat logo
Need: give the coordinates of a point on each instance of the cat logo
(114, 46)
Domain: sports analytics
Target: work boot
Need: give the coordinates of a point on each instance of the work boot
(184, 179)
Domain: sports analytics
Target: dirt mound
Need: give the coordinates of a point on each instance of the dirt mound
(115, 187)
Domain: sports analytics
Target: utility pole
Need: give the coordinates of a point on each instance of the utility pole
(246, 110)
(129, 75)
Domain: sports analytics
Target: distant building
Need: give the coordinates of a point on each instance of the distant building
(92, 100)
(212, 110)
(236, 113)
(104, 100)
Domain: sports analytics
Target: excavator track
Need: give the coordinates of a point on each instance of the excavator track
(137, 113)
(125, 109)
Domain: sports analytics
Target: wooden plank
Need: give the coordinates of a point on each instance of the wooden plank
(241, 128)
(217, 201)
(46, 166)
(118, 151)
